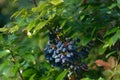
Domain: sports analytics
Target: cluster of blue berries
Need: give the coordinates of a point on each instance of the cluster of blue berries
(64, 53)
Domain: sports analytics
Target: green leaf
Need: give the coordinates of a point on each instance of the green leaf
(93, 32)
(111, 31)
(5, 63)
(118, 3)
(28, 72)
(16, 14)
(14, 70)
(41, 14)
(4, 53)
(63, 23)
(41, 7)
(14, 29)
(39, 26)
(56, 2)
(6, 71)
(110, 54)
(114, 38)
(112, 6)
(82, 17)
(51, 16)
(62, 75)
(4, 29)
(32, 77)
(85, 40)
(102, 49)
(30, 25)
(29, 58)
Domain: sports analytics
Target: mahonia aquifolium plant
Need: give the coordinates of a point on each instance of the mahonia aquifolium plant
(64, 53)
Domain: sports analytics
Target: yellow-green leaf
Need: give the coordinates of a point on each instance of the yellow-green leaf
(56, 2)
(4, 29)
(31, 25)
(14, 29)
(16, 14)
(51, 16)
(41, 7)
(39, 26)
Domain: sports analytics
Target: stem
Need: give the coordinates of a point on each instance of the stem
(52, 32)
(14, 61)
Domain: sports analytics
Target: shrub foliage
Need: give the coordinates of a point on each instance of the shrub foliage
(23, 39)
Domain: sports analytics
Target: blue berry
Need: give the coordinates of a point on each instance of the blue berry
(57, 60)
(50, 51)
(65, 53)
(64, 49)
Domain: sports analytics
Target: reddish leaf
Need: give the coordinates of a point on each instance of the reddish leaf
(102, 63)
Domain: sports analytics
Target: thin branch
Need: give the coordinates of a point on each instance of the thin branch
(53, 32)
(14, 61)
